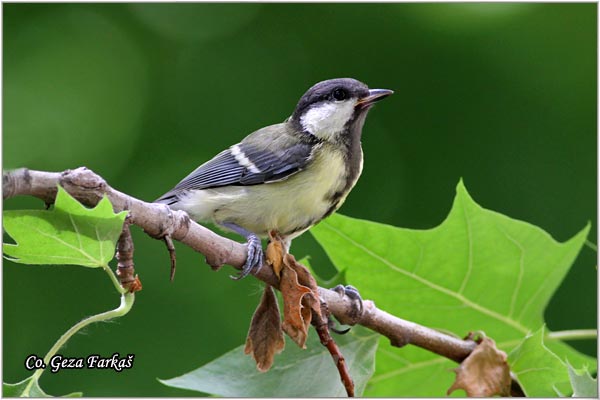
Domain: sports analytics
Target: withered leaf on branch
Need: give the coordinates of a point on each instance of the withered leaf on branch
(274, 254)
(295, 320)
(265, 336)
(484, 373)
(305, 278)
(312, 304)
(298, 289)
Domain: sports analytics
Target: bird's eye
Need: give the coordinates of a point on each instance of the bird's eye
(340, 94)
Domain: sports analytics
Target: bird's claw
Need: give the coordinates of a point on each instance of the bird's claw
(331, 326)
(357, 303)
(254, 259)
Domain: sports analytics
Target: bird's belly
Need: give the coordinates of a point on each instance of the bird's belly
(289, 206)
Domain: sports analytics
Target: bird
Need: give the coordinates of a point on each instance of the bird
(285, 177)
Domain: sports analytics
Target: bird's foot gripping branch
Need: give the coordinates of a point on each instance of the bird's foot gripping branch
(426, 276)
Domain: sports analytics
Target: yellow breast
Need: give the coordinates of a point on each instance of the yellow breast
(289, 206)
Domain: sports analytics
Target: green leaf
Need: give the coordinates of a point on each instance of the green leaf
(69, 234)
(29, 388)
(478, 270)
(582, 382)
(296, 372)
(539, 371)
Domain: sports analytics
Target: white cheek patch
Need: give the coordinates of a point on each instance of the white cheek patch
(241, 158)
(327, 119)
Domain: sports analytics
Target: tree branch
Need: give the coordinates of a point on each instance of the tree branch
(158, 220)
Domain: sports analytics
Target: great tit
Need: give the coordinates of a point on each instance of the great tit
(285, 177)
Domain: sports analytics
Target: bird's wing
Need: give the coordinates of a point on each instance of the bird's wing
(251, 162)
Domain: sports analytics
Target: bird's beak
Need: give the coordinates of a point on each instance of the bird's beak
(374, 96)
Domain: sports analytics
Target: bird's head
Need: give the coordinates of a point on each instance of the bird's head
(333, 109)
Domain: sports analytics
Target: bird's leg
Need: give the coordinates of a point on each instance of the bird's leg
(357, 304)
(254, 258)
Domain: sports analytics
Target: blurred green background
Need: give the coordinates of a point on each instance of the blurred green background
(502, 95)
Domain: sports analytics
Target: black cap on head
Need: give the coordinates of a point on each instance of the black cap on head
(330, 90)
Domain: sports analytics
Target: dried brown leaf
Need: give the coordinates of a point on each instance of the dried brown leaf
(304, 276)
(136, 285)
(310, 301)
(294, 323)
(265, 336)
(298, 288)
(484, 373)
(275, 252)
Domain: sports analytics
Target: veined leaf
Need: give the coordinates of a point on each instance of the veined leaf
(540, 372)
(478, 270)
(69, 234)
(295, 373)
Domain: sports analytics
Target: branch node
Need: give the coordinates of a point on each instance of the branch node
(399, 341)
(84, 180)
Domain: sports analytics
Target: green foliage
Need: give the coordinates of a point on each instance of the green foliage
(69, 234)
(296, 372)
(29, 388)
(539, 371)
(478, 271)
(582, 382)
(502, 94)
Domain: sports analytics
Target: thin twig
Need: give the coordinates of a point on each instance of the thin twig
(172, 255)
(322, 328)
(124, 256)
